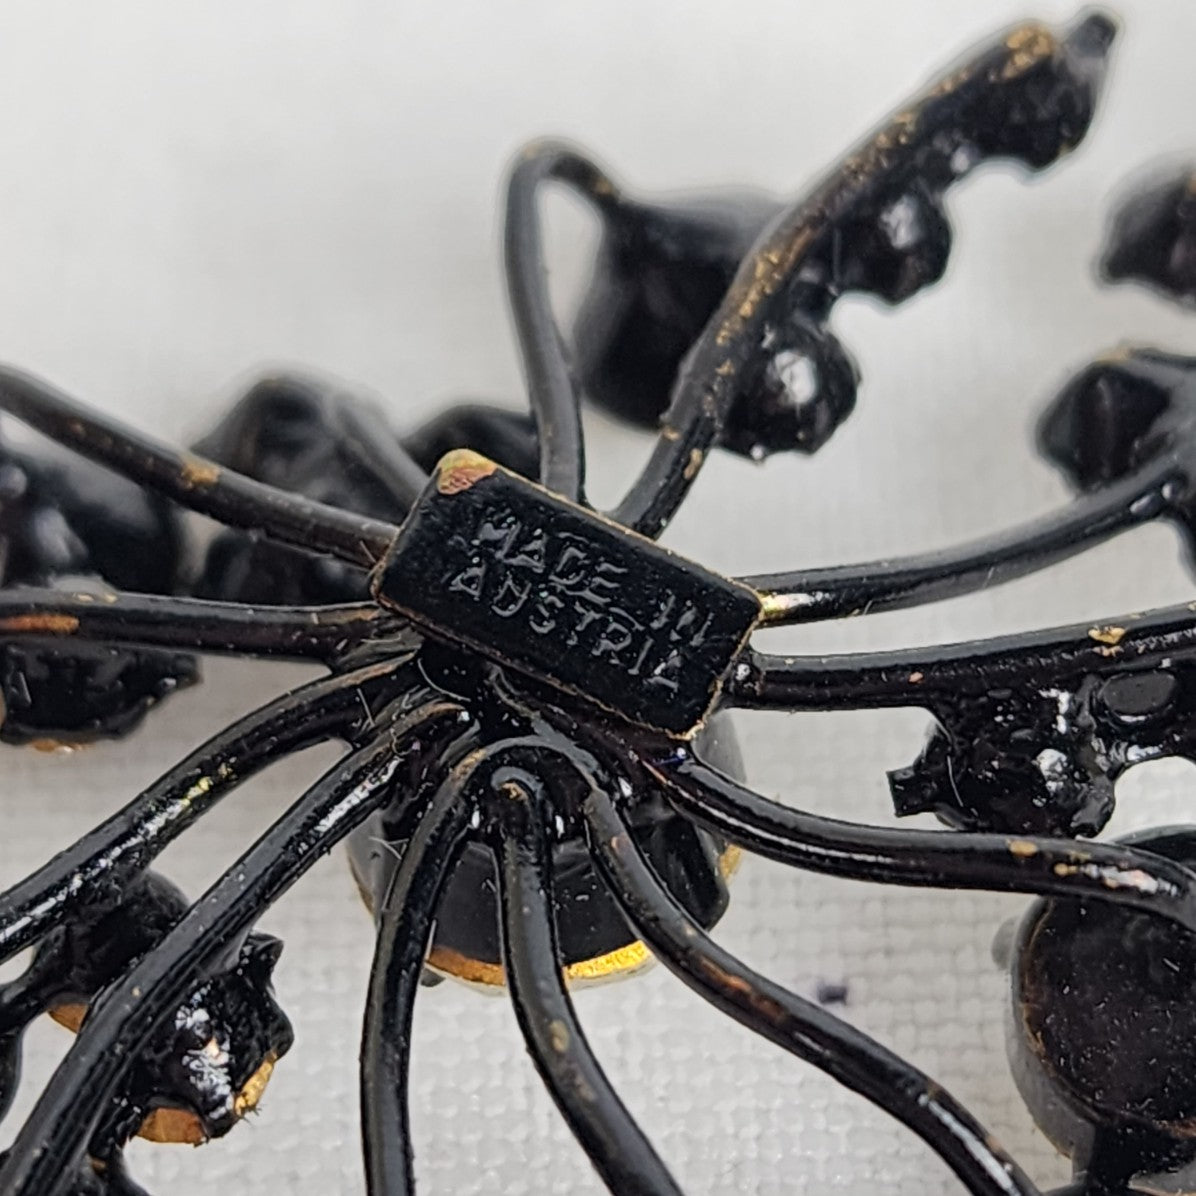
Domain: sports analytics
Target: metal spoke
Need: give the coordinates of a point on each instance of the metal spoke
(1073, 868)
(808, 595)
(96, 867)
(161, 621)
(194, 482)
(617, 1147)
(555, 399)
(122, 1020)
(796, 1025)
(405, 919)
(939, 674)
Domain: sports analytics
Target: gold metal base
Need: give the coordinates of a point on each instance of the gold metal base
(631, 958)
(168, 1123)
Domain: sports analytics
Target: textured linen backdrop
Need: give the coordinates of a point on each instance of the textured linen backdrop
(193, 193)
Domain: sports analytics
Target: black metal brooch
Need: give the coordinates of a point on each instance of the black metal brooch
(541, 785)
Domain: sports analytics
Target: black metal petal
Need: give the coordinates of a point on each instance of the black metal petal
(1127, 415)
(1152, 235)
(291, 432)
(1042, 757)
(1028, 761)
(65, 520)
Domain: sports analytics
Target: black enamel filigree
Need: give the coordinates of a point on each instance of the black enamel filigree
(541, 785)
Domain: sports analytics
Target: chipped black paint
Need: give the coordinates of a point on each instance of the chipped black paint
(222, 1033)
(529, 805)
(555, 592)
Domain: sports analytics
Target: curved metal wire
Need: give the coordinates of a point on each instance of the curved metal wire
(796, 1025)
(163, 621)
(57, 1132)
(612, 1139)
(617, 1147)
(809, 595)
(405, 919)
(926, 675)
(1111, 872)
(96, 866)
(193, 482)
(45, 1154)
(553, 393)
(718, 365)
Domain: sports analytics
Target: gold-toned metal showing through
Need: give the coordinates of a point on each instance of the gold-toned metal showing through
(623, 961)
(170, 1123)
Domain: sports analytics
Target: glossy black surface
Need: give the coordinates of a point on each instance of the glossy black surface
(65, 522)
(660, 273)
(872, 224)
(566, 597)
(320, 440)
(1152, 235)
(313, 438)
(1102, 1032)
(1130, 416)
(590, 930)
(190, 1082)
(1029, 731)
(744, 287)
(530, 810)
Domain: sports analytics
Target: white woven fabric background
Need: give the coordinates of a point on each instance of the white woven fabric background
(191, 193)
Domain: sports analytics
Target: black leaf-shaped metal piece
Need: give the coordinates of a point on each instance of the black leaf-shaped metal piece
(1130, 415)
(66, 522)
(1152, 235)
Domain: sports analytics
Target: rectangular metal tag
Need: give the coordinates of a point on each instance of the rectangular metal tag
(564, 595)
